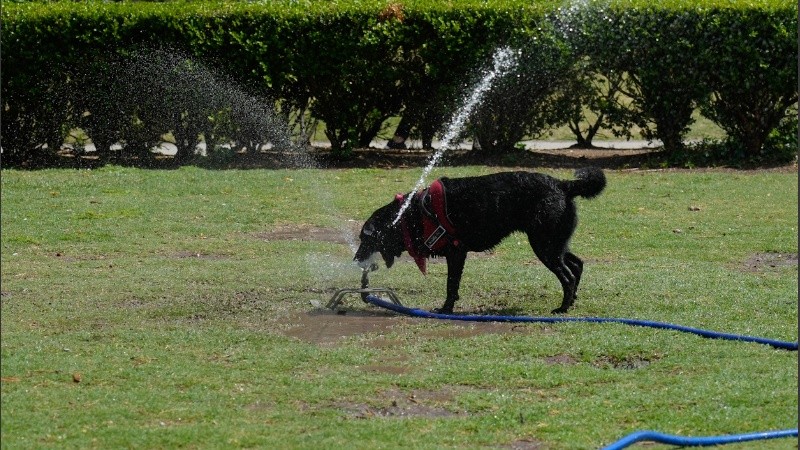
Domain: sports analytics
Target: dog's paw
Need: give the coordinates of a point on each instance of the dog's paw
(442, 310)
(559, 311)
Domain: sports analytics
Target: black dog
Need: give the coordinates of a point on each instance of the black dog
(459, 215)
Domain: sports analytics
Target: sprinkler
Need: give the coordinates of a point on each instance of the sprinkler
(365, 290)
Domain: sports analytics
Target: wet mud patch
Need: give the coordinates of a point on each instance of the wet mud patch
(767, 262)
(325, 327)
(394, 403)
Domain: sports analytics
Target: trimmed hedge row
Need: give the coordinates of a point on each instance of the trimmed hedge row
(130, 72)
(737, 62)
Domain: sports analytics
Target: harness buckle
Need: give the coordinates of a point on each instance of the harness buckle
(435, 236)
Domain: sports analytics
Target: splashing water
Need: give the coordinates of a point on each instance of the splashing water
(164, 81)
(504, 59)
(173, 91)
(565, 17)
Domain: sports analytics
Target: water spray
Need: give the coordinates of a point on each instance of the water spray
(504, 59)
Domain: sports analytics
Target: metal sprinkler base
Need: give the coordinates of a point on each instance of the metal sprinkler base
(365, 290)
(336, 300)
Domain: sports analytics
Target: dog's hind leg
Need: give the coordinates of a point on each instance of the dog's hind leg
(576, 266)
(568, 284)
(455, 268)
(554, 258)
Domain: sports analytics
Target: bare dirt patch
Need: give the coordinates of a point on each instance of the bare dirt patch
(326, 327)
(329, 328)
(394, 403)
(629, 362)
(536, 158)
(765, 262)
(187, 254)
(392, 159)
(566, 360)
(525, 444)
(622, 157)
(307, 233)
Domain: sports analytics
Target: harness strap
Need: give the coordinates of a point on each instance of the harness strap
(420, 257)
(435, 225)
(433, 202)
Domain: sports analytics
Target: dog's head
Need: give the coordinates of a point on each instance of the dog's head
(379, 235)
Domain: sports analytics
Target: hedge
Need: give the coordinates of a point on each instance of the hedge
(244, 71)
(737, 61)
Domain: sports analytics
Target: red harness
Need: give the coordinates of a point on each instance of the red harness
(437, 231)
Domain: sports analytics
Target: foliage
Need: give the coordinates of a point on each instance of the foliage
(732, 60)
(780, 147)
(352, 64)
(658, 59)
(590, 102)
(521, 102)
(749, 101)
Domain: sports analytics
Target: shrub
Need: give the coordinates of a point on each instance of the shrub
(441, 51)
(749, 59)
(737, 61)
(654, 47)
(354, 63)
(351, 74)
(521, 102)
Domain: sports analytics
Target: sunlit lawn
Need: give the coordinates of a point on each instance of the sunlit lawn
(160, 309)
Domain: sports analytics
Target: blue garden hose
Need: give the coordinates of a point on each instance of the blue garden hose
(705, 441)
(377, 301)
(638, 436)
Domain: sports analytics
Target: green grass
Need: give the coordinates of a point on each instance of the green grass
(100, 278)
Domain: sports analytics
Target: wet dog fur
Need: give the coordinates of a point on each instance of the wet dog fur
(485, 210)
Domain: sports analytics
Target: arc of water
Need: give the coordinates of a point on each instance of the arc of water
(504, 59)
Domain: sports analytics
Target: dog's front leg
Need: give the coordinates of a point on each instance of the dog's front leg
(455, 268)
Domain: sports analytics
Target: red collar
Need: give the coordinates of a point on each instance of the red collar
(438, 232)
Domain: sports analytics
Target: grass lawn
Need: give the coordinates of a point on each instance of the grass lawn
(171, 308)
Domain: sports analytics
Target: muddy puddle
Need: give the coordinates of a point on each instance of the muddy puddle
(326, 327)
(323, 326)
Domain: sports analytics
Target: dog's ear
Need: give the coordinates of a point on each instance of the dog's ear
(388, 259)
(390, 234)
(391, 247)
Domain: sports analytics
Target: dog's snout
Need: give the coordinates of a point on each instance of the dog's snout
(366, 262)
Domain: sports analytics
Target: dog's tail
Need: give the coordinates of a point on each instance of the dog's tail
(589, 183)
